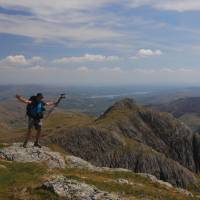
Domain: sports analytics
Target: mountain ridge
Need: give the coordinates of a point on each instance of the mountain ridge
(131, 136)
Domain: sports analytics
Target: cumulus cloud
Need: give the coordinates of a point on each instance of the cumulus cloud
(86, 58)
(149, 52)
(16, 60)
(20, 61)
(142, 53)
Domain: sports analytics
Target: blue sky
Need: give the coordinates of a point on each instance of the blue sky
(102, 42)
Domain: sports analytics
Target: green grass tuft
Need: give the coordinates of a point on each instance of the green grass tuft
(16, 176)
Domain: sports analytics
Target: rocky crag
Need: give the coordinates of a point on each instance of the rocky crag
(137, 138)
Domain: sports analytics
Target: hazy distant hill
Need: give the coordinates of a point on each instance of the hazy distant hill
(94, 100)
(186, 109)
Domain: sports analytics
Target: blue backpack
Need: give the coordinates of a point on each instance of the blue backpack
(35, 109)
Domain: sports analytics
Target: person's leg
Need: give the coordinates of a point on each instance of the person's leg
(38, 126)
(28, 133)
(38, 135)
(27, 138)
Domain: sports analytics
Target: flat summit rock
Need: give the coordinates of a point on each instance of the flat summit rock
(17, 153)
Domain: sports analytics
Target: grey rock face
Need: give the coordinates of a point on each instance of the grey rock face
(32, 154)
(158, 144)
(104, 150)
(75, 190)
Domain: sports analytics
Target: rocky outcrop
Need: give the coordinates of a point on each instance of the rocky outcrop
(109, 151)
(17, 153)
(72, 189)
(160, 131)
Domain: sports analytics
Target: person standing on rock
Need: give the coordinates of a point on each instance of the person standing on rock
(34, 110)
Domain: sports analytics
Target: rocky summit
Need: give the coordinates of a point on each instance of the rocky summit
(16, 152)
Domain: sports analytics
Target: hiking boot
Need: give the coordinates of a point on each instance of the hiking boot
(36, 144)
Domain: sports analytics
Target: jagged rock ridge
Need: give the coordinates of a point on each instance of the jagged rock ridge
(137, 138)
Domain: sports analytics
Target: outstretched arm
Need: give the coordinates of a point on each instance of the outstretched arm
(23, 100)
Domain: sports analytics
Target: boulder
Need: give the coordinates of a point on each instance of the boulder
(72, 189)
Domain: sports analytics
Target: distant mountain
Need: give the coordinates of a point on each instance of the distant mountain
(181, 106)
(135, 137)
(186, 109)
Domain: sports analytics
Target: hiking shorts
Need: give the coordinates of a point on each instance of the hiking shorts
(34, 123)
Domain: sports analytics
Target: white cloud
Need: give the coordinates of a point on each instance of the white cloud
(148, 52)
(16, 60)
(50, 7)
(142, 53)
(41, 29)
(36, 59)
(175, 5)
(86, 58)
(20, 61)
(74, 23)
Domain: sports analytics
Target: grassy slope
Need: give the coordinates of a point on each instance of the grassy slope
(16, 182)
(56, 121)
